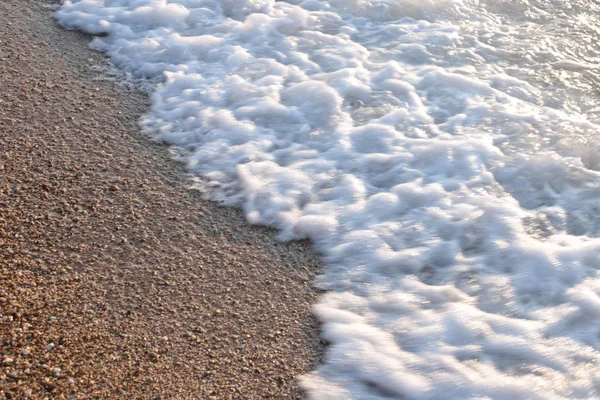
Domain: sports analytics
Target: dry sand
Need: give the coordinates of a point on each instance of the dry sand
(116, 281)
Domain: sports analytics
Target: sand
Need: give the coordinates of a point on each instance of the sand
(116, 280)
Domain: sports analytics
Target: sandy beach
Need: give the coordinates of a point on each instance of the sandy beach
(116, 280)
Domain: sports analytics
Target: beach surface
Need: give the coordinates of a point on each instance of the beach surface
(116, 279)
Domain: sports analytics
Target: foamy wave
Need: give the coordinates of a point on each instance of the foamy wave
(441, 155)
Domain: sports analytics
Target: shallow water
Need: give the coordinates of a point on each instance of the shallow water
(442, 155)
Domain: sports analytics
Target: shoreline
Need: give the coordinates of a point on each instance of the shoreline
(116, 279)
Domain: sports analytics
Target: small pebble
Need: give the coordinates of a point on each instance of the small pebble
(50, 346)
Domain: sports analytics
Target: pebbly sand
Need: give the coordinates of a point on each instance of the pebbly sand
(116, 281)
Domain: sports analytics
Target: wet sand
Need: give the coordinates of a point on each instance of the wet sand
(116, 280)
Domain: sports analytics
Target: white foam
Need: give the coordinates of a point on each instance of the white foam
(442, 155)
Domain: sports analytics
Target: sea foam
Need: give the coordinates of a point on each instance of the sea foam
(442, 156)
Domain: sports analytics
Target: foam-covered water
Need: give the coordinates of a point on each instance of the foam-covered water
(442, 155)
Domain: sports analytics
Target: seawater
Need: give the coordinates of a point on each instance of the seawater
(442, 155)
